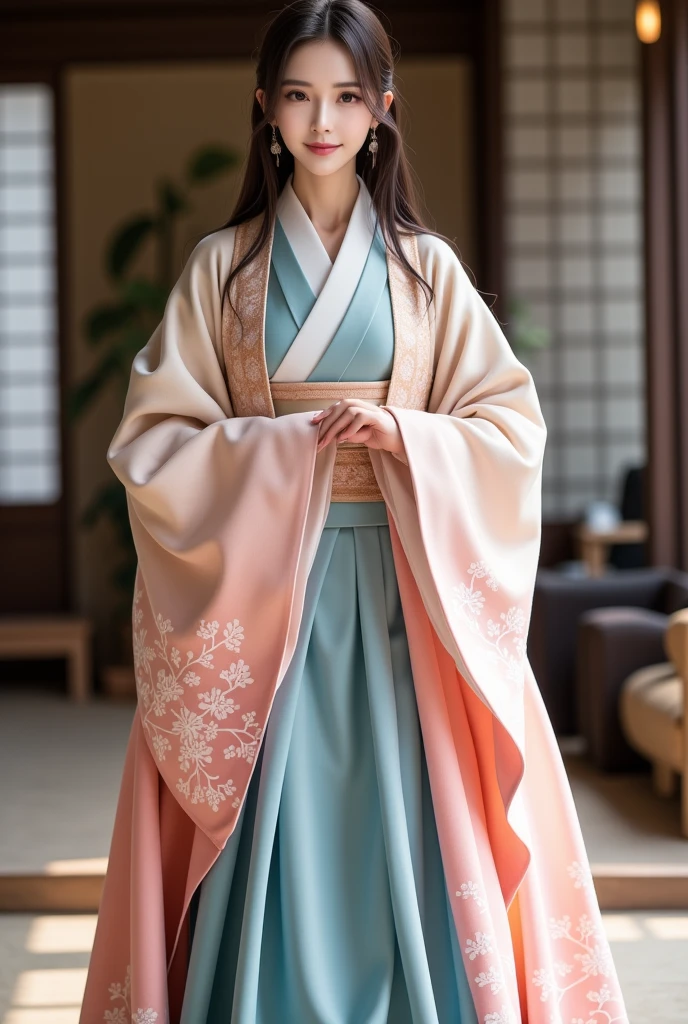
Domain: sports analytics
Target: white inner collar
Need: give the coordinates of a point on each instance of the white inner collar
(333, 284)
(305, 241)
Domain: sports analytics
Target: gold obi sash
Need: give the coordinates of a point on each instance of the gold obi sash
(253, 394)
(354, 478)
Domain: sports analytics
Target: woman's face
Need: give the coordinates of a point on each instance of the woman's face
(320, 101)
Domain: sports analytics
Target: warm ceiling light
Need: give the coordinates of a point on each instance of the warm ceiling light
(648, 20)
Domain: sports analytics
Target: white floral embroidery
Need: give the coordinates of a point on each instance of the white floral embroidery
(165, 692)
(581, 875)
(592, 959)
(121, 992)
(484, 945)
(503, 1016)
(480, 946)
(510, 628)
(470, 891)
(492, 977)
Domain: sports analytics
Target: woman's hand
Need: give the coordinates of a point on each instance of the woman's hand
(360, 422)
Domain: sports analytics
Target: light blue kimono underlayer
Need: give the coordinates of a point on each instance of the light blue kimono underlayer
(328, 904)
(363, 345)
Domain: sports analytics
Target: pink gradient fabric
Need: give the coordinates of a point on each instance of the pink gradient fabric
(517, 872)
(227, 513)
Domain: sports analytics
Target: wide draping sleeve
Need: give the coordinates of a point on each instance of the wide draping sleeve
(467, 505)
(465, 521)
(191, 469)
(226, 513)
(465, 518)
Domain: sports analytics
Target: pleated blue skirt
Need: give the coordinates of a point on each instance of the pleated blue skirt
(328, 904)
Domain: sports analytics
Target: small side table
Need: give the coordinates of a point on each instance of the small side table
(52, 636)
(594, 544)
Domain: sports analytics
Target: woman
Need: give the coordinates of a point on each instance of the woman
(342, 799)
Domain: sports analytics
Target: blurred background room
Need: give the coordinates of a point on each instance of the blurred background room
(550, 138)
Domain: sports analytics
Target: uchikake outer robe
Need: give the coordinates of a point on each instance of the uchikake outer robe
(227, 504)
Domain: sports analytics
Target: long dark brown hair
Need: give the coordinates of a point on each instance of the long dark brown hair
(353, 24)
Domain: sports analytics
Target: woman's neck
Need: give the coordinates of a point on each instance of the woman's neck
(328, 199)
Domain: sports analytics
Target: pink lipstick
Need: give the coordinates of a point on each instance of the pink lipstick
(321, 148)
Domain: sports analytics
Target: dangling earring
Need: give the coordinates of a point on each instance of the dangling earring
(275, 147)
(372, 145)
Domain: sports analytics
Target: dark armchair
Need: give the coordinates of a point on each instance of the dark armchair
(559, 602)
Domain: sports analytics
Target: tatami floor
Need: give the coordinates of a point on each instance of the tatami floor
(61, 764)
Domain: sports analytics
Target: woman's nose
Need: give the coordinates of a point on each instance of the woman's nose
(322, 120)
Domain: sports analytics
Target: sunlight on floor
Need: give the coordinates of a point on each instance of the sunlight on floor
(672, 928)
(71, 933)
(622, 928)
(46, 958)
(46, 986)
(47, 996)
(49, 1015)
(56, 987)
(85, 866)
(633, 927)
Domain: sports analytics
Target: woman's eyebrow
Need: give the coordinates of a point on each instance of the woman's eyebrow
(336, 85)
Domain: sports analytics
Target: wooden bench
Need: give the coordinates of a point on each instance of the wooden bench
(52, 636)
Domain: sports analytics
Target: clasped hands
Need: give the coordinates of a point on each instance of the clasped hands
(360, 422)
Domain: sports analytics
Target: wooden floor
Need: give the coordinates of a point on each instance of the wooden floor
(58, 811)
(638, 856)
(43, 962)
(57, 814)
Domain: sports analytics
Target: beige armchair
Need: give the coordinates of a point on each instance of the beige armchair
(652, 713)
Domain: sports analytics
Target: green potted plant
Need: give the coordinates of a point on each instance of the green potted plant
(118, 329)
(524, 335)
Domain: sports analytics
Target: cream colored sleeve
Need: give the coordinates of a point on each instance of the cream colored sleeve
(176, 386)
(477, 373)
(469, 499)
(198, 478)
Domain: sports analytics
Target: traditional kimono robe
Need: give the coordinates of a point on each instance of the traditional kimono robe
(329, 903)
(342, 798)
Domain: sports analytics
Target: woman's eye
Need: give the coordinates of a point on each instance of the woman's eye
(347, 97)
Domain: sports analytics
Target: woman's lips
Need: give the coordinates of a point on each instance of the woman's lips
(321, 150)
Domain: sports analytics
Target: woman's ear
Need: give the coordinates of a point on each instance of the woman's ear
(260, 96)
(387, 97)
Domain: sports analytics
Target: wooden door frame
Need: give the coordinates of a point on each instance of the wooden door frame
(665, 200)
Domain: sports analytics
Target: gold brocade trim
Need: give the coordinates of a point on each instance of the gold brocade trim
(354, 478)
(252, 393)
(329, 391)
(412, 370)
(247, 374)
(244, 350)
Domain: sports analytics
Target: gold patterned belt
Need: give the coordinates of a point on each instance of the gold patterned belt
(354, 478)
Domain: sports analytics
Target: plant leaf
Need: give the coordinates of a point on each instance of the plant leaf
(127, 242)
(131, 343)
(86, 390)
(147, 295)
(110, 499)
(170, 198)
(106, 319)
(209, 162)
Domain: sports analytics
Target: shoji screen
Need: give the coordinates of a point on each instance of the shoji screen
(573, 232)
(29, 429)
